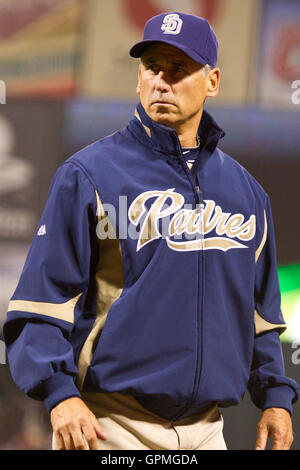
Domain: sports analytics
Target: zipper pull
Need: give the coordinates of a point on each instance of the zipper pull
(202, 224)
(199, 193)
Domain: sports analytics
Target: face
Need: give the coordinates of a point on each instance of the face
(172, 87)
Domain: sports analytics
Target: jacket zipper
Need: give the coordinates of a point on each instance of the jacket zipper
(201, 286)
(200, 334)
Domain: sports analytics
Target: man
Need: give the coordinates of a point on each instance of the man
(135, 340)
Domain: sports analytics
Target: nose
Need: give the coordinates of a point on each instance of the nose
(162, 84)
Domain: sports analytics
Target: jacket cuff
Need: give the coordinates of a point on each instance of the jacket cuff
(57, 388)
(281, 396)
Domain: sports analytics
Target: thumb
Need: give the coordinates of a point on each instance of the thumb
(262, 437)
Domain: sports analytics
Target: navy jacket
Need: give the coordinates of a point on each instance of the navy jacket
(149, 278)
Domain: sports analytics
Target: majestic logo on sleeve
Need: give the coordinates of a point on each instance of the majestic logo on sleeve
(172, 24)
(177, 222)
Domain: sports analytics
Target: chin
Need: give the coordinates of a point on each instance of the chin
(162, 117)
(164, 121)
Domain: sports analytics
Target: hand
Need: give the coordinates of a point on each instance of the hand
(75, 427)
(275, 423)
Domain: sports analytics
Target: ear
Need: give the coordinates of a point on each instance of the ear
(138, 87)
(213, 80)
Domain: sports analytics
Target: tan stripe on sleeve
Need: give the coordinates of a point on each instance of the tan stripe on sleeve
(261, 325)
(63, 311)
(110, 282)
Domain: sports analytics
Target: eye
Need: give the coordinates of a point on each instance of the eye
(178, 69)
(153, 67)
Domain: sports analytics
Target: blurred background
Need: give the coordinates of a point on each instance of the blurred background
(69, 81)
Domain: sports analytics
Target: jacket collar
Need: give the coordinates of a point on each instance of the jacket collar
(165, 139)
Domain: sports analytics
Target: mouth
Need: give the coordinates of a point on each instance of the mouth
(166, 103)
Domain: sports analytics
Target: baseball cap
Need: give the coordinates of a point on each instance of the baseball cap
(190, 33)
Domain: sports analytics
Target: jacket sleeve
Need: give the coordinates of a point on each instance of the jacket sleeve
(268, 386)
(50, 295)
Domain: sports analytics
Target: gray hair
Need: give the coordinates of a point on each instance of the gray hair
(205, 70)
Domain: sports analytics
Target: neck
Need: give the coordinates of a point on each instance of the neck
(188, 140)
(163, 137)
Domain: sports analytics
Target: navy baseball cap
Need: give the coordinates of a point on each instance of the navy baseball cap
(190, 33)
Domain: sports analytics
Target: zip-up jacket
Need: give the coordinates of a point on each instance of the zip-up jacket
(150, 278)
